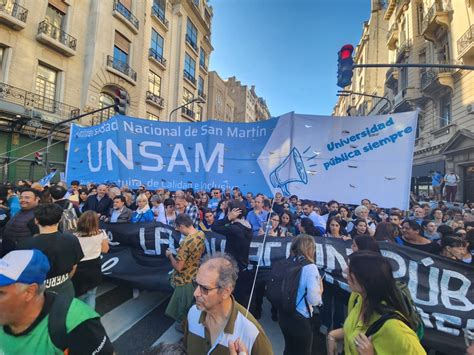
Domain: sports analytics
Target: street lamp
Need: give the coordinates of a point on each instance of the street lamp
(197, 99)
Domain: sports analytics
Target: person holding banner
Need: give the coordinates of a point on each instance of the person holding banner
(376, 322)
(185, 266)
(143, 213)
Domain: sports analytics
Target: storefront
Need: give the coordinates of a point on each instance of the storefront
(421, 177)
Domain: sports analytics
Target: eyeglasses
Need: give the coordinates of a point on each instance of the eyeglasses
(204, 290)
(275, 220)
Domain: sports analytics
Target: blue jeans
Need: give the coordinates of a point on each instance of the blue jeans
(89, 297)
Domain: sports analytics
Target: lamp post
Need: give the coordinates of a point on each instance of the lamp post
(197, 99)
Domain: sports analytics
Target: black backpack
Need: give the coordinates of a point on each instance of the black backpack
(284, 282)
(57, 320)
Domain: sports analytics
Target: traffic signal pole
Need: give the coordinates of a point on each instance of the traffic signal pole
(56, 125)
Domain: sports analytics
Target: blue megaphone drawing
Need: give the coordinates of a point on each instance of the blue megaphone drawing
(281, 176)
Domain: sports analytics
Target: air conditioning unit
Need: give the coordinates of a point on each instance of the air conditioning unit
(470, 109)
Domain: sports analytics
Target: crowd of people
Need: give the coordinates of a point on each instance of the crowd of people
(52, 245)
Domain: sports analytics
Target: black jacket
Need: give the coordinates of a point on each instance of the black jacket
(102, 207)
(238, 238)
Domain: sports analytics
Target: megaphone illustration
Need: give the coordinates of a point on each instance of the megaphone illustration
(280, 177)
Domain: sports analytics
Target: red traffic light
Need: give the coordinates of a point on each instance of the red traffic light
(346, 51)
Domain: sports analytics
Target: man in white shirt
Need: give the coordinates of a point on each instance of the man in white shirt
(451, 181)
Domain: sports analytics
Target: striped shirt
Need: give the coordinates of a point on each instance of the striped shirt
(197, 338)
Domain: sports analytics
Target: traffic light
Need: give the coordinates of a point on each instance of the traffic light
(121, 101)
(344, 66)
(39, 158)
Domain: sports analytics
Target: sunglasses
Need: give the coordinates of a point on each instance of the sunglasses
(204, 289)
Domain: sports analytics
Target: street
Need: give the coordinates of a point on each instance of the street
(134, 325)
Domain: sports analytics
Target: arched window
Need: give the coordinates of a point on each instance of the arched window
(105, 99)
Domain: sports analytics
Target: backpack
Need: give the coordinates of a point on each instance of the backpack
(413, 320)
(57, 320)
(68, 222)
(283, 286)
(375, 327)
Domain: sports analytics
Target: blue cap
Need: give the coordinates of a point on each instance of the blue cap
(23, 266)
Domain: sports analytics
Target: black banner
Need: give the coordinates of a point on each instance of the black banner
(441, 288)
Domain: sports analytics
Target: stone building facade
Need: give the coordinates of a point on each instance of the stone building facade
(59, 58)
(231, 101)
(437, 32)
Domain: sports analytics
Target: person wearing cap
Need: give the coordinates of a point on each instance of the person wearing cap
(62, 249)
(28, 314)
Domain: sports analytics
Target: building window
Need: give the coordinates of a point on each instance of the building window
(154, 84)
(200, 86)
(190, 67)
(121, 48)
(55, 16)
(202, 59)
(106, 100)
(419, 18)
(157, 42)
(160, 6)
(196, 2)
(46, 80)
(187, 96)
(198, 116)
(445, 110)
(191, 34)
(403, 78)
(152, 117)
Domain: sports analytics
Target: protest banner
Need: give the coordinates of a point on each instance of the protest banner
(441, 288)
(318, 157)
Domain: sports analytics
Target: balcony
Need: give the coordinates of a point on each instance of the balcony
(190, 78)
(126, 16)
(466, 44)
(157, 58)
(203, 66)
(391, 78)
(56, 38)
(202, 95)
(191, 43)
(392, 37)
(407, 99)
(155, 100)
(403, 50)
(435, 79)
(436, 19)
(159, 15)
(188, 113)
(13, 15)
(21, 102)
(121, 69)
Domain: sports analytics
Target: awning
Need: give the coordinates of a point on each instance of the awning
(426, 169)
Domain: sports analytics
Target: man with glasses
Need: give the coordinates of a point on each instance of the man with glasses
(216, 322)
(185, 266)
(216, 197)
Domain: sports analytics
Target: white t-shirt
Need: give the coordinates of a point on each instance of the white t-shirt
(451, 179)
(92, 246)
